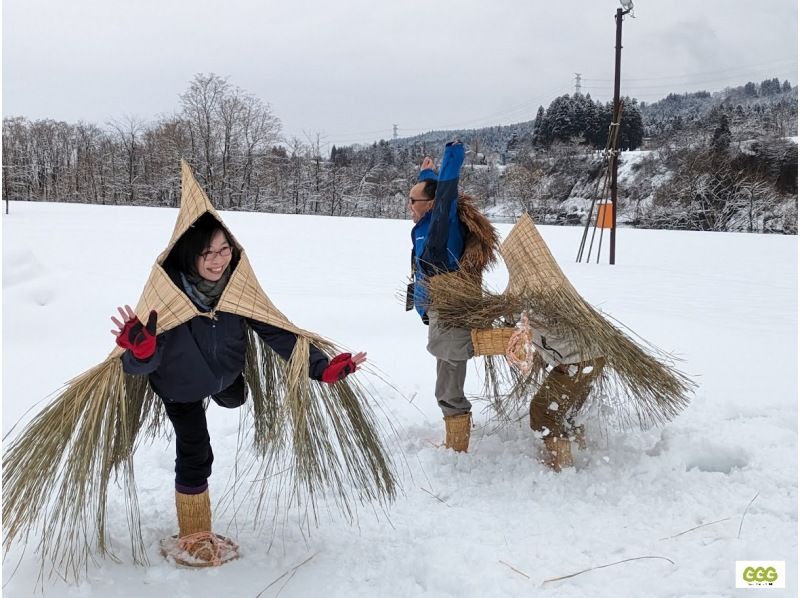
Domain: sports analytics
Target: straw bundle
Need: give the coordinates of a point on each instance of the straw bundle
(320, 436)
(57, 470)
(640, 383)
(491, 341)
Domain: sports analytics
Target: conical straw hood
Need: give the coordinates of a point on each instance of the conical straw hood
(529, 261)
(243, 295)
(194, 203)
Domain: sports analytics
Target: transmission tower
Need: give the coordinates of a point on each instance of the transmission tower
(578, 83)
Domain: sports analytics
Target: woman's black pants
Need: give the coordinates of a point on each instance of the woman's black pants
(193, 454)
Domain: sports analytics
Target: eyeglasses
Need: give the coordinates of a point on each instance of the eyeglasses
(210, 255)
(413, 201)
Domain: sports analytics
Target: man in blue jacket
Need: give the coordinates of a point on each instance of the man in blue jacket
(445, 227)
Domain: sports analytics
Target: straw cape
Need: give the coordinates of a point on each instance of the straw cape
(639, 383)
(308, 437)
(481, 241)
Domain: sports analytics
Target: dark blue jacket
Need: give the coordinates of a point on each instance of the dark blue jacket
(438, 238)
(203, 356)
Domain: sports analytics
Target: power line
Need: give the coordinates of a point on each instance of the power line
(670, 86)
(743, 68)
(497, 115)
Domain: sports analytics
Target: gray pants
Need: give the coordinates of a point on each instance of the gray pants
(452, 348)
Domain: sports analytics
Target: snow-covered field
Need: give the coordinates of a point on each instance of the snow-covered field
(493, 522)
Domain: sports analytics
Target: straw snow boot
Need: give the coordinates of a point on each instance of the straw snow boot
(456, 432)
(557, 453)
(579, 435)
(196, 545)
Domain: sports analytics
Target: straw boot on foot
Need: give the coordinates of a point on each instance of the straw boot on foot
(557, 453)
(194, 513)
(456, 432)
(579, 434)
(196, 545)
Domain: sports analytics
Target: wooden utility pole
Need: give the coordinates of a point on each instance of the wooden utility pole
(615, 155)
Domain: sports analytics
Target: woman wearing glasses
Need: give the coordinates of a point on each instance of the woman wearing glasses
(204, 357)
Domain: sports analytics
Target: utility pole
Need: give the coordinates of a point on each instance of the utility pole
(577, 84)
(628, 6)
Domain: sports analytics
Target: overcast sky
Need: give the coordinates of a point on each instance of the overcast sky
(350, 69)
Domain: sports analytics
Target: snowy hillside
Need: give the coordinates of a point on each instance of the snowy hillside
(493, 522)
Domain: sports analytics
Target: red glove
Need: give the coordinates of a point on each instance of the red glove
(339, 368)
(138, 338)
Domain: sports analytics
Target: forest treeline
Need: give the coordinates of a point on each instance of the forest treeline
(713, 161)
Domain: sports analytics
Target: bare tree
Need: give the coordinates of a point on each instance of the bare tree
(200, 104)
(128, 130)
(260, 129)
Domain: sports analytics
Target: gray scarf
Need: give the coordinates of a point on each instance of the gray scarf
(204, 292)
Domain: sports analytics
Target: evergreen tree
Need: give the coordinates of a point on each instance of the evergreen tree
(721, 139)
(596, 126)
(513, 143)
(539, 129)
(631, 127)
(559, 117)
(385, 154)
(770, 87)
(604, 118)
(581, 112)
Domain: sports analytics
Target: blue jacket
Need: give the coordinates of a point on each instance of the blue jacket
(204, 356)
(438, 238)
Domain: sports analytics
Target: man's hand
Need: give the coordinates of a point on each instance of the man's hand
(427, 164)
(138, 338)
